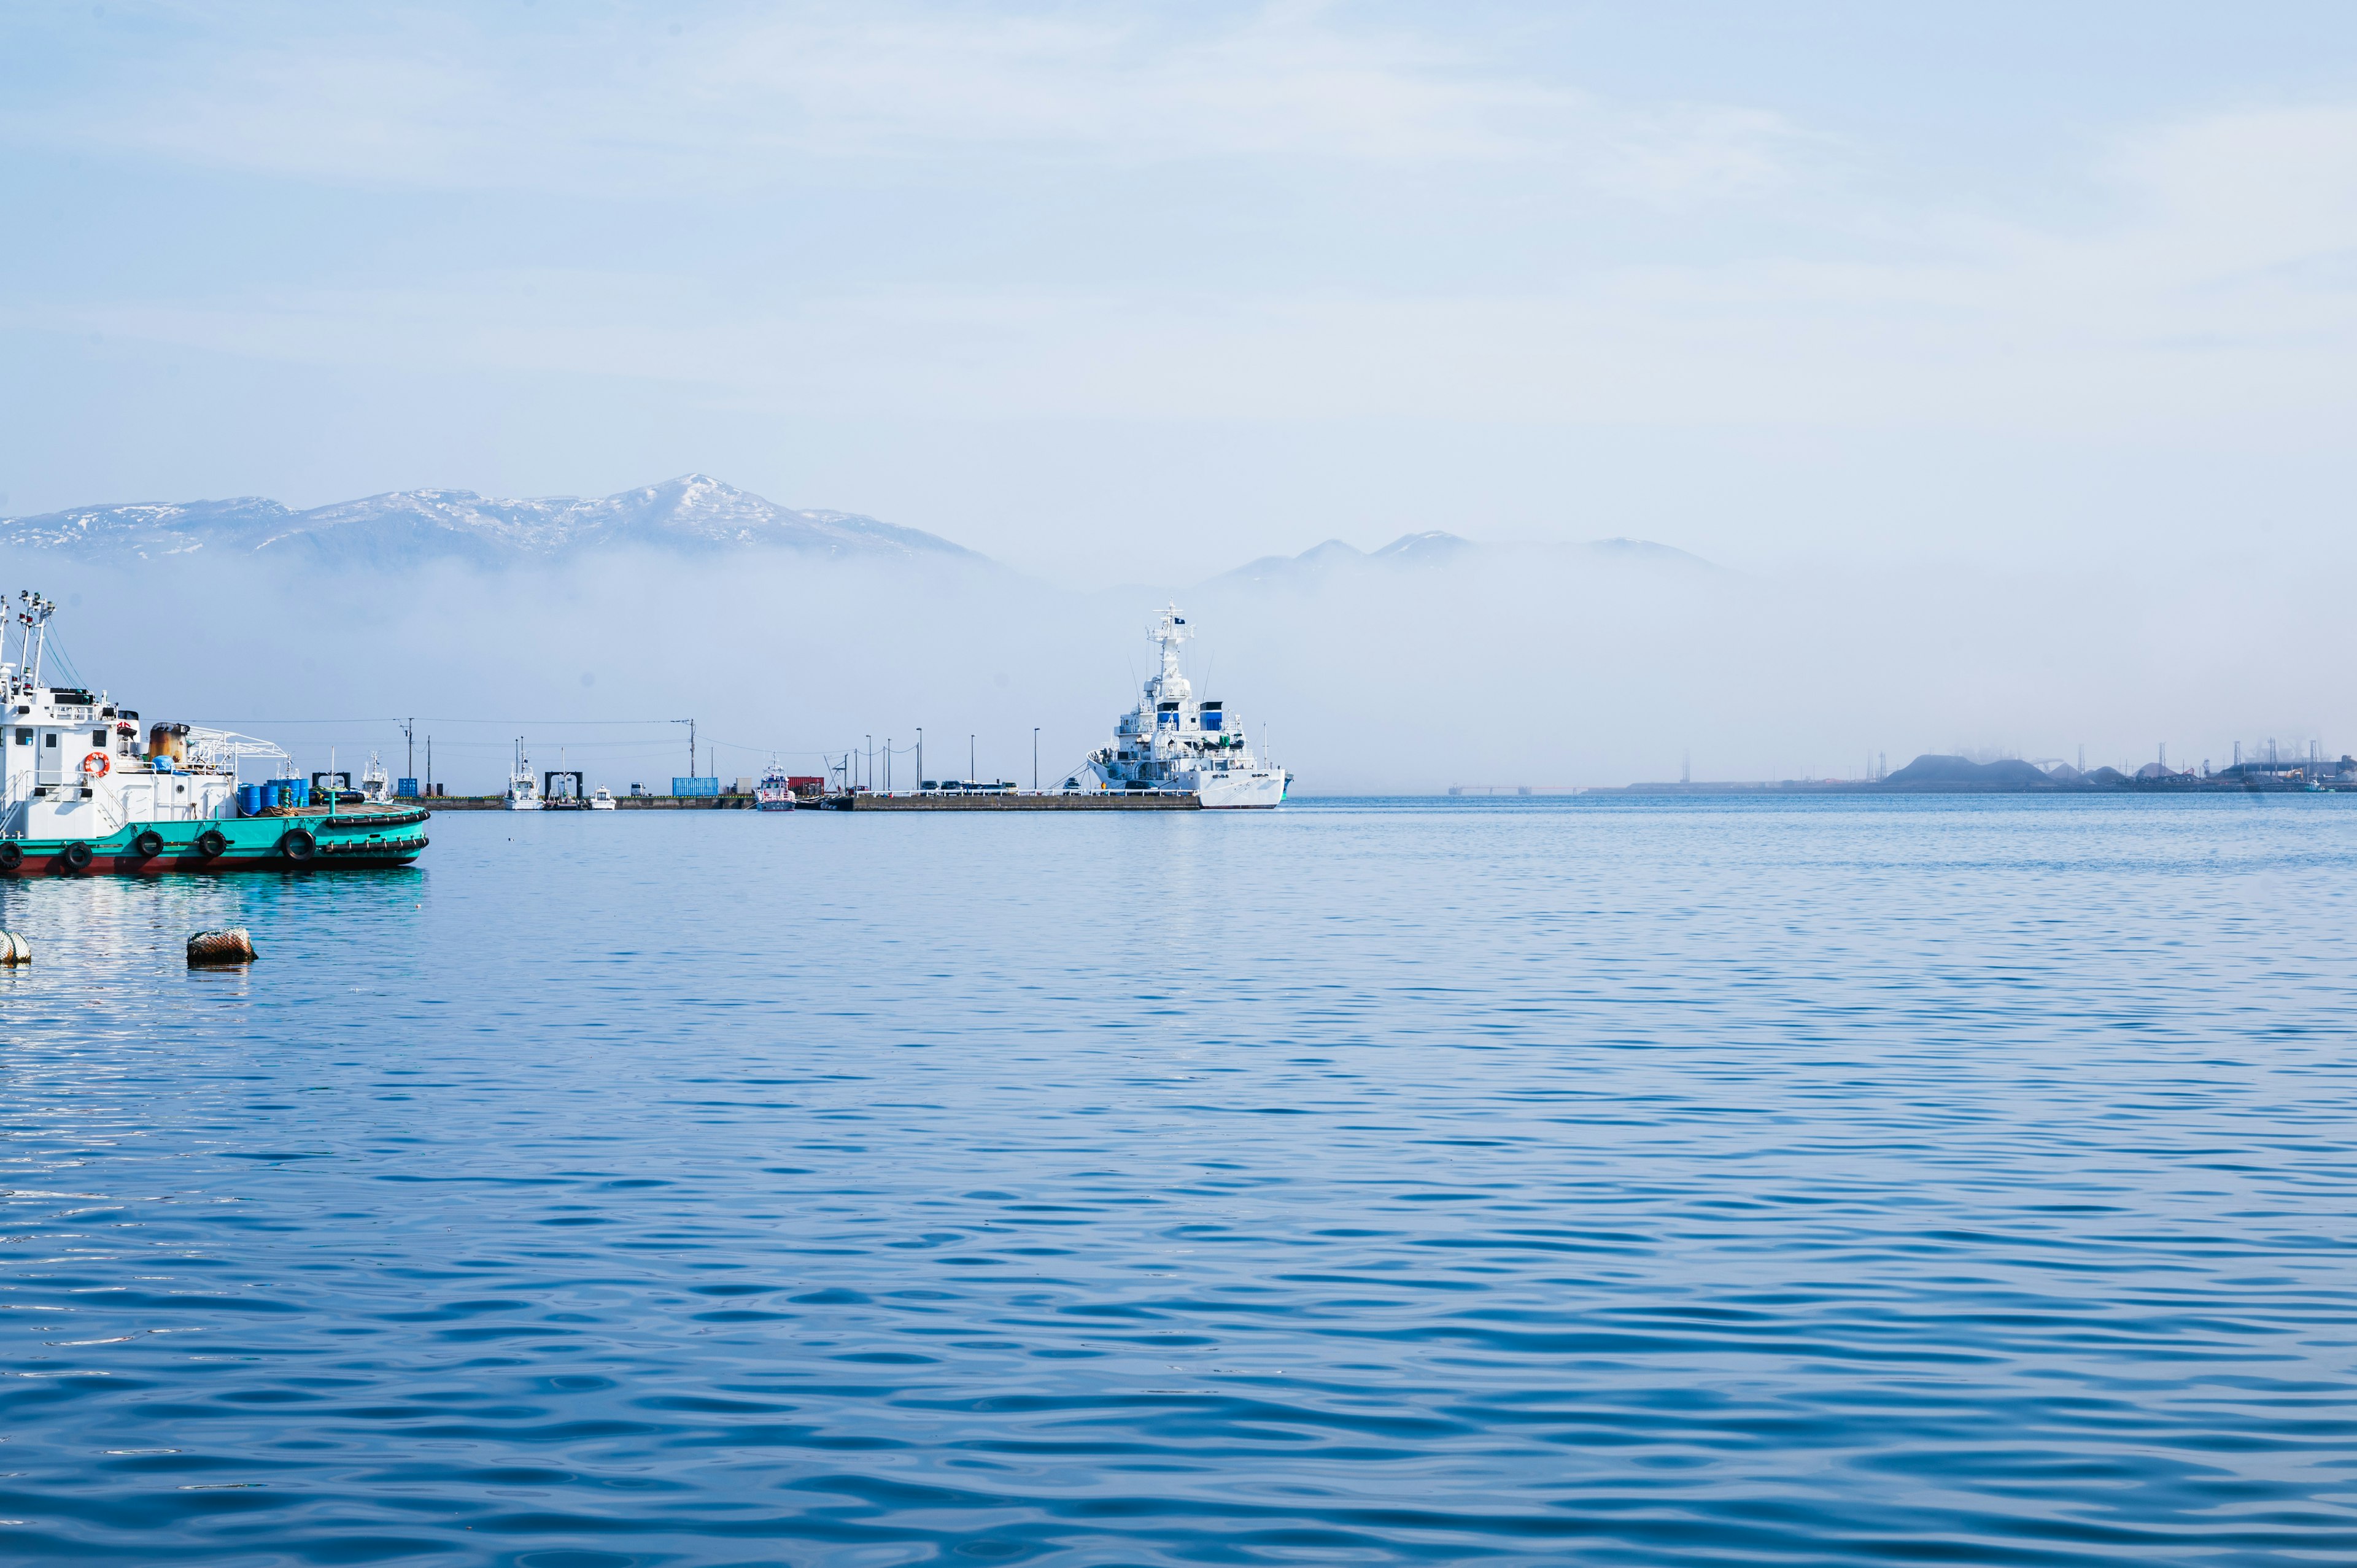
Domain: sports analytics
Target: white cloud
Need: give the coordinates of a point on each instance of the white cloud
(2213, 295)
(737, 103)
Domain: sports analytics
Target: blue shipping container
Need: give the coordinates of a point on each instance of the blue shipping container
(404, 789)
(695, 786)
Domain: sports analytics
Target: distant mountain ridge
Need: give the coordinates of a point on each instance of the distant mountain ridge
(694, 513)
(1433, 548)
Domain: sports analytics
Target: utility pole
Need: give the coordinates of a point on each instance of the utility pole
(871, 762)
(691, 744)
(888, 765)
(409, 734)
(969, 757)
(429, 765)
(1035, 760)
(920, 758)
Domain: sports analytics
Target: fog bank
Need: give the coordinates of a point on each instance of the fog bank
(1499, 665)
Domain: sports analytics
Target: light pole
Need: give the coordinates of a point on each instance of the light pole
(691, 744)
(921, 759)
(970, 779)
(871, 762)
(1035, 760)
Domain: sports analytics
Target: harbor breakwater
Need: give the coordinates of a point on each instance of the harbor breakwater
(863, 801)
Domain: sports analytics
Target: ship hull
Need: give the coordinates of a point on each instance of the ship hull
(348, 839)
(1237, 791)
(1247, 792)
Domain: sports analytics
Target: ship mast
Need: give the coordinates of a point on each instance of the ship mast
(34, 618)
(1169, 629)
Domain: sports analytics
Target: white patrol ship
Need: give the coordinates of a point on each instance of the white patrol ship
(1172, 742)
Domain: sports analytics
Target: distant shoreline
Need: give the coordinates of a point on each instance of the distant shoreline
(1941, 775)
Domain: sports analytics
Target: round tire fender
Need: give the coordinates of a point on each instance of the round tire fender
(76, 855)
(298, 845)
(11, 857)
(148, 845)
(211, 844)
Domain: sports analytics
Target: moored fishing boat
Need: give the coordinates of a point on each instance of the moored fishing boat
(523, 788)
(776, 790)
(79, 795)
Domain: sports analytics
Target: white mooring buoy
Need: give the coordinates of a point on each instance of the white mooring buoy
(207, 948)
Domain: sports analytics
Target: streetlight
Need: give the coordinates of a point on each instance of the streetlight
(970, 777)
(1035, 760)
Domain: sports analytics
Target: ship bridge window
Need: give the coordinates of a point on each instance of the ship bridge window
(24, 737)
(1166, 708)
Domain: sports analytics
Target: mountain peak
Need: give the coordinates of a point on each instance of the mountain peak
(693, 512)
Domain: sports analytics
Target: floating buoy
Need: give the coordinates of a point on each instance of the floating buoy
(14, 949)
(207, 948)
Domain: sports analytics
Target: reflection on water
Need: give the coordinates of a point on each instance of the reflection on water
(1689, 1183)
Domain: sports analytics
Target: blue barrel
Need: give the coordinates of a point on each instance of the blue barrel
(298, 791)
(249, 799)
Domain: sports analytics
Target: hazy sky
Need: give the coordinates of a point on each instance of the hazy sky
(1122, 292)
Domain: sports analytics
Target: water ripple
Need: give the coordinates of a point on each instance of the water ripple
(1689, 1183)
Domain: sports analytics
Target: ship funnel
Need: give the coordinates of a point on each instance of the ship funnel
(170, 741)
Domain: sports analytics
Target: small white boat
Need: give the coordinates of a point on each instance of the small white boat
(523, 790)
(376, 785)
(602, 799)
(776, 790)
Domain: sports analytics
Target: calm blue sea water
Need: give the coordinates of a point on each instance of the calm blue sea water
(1690, 1182)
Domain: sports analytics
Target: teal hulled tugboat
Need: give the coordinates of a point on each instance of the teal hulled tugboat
(79, 796)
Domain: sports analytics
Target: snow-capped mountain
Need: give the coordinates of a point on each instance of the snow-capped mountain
(694, 513)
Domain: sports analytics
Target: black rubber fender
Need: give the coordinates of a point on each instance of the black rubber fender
(11, 857)
(298, 845)
(148, 845)
(211, 844)
(76, 855)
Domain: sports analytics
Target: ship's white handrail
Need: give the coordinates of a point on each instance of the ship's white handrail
(221, 748)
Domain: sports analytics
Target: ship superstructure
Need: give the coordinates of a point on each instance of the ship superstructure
(1171, 741)
(78, 792)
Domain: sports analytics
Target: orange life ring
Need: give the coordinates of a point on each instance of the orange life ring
(96, 763)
